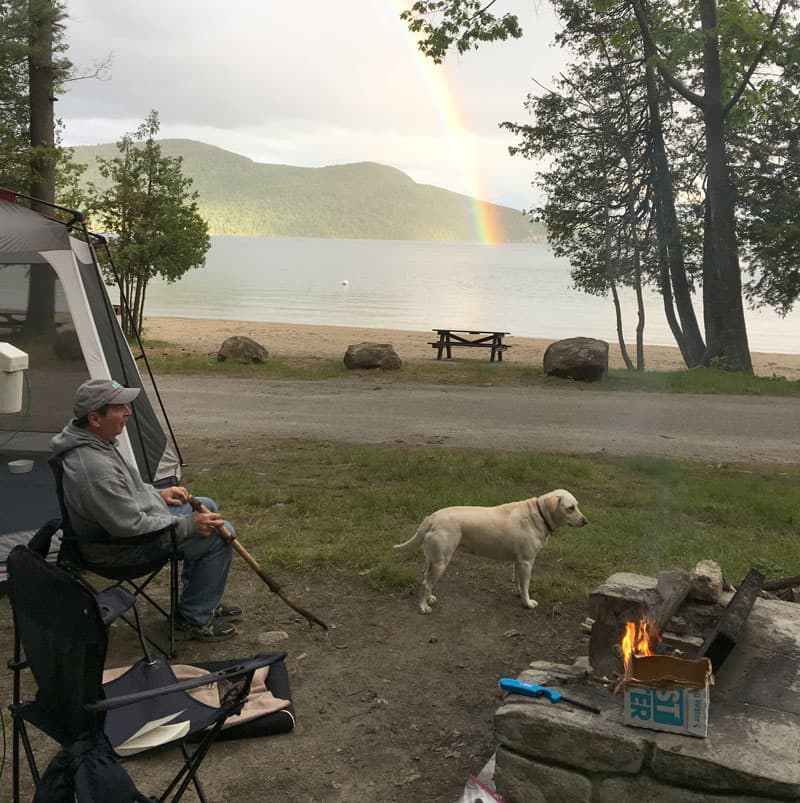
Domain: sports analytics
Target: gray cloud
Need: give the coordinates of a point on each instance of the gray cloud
(308, 84)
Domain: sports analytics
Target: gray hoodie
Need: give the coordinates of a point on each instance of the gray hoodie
(105, 496)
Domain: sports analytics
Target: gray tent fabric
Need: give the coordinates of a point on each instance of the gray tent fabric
(45, 265)
(24, 235)
(146, 435)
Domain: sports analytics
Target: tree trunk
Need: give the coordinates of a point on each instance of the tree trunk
(637, 263)
(40, 318)
(136, 306)
(125, 303)
(665, 286)
(623, 349)
(140, 317)
(726, 330)
(640, 317)
(687, 332)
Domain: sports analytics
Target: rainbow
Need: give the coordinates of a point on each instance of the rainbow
(444, 97)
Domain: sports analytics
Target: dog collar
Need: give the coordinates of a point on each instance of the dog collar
(547, 524)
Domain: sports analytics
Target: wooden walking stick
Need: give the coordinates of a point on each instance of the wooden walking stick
(274, 587)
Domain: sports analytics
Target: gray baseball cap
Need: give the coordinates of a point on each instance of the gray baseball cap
(96, 393)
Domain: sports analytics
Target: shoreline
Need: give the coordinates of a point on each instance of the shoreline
(204, 336)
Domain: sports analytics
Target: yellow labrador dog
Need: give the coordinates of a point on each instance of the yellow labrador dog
(515, 531)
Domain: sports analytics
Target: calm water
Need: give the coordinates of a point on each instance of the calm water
(521, 289)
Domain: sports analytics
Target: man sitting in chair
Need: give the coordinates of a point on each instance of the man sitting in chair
(105, 494)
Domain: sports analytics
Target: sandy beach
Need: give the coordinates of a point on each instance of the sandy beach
(299, 341)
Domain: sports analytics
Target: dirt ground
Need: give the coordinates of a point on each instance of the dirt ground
(391, 706)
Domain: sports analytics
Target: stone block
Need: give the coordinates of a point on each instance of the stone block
(624, 597)
(747, 752)
(521, 780)
(642, 787)
(706, 580)
(569, 736)
(547, 672)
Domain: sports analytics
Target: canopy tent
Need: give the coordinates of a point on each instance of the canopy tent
(55, 307)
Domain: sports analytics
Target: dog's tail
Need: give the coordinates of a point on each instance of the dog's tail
(415, 539)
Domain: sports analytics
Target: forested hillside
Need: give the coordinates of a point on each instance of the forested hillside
(363, 200)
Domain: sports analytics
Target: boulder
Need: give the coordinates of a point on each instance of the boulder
(372, 355)
(582, 358)
(67, 346)
(242, 349)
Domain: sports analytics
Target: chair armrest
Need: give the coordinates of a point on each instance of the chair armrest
(229, 673)
(15, 666)
(124, 571)
(113, 602)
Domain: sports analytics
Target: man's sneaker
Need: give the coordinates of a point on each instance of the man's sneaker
(213, 630)
(225, 611)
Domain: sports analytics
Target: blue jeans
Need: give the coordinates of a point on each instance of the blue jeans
(206, 563)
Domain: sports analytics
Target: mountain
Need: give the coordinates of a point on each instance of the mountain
(364, 200)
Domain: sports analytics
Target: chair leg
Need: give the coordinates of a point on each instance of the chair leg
(173, 603)
(20, 734)
(170, 613)
(15, 762)
(143, 640)
(195, 762)
(191, 764)
(139, 589)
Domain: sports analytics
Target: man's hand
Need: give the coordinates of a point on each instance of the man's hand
(176, 495)
(206, 523)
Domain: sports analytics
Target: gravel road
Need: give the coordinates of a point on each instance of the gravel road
(572, 420)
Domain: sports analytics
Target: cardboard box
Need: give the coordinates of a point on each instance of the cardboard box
(668, 694)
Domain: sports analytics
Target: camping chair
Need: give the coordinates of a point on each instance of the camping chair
(60, 635)
(136, 577)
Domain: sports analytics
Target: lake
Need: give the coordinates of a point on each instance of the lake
(389, 284)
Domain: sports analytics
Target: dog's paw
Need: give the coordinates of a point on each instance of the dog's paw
(530, 604)
(425, 608)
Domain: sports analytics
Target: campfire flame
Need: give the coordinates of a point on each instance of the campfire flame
(640, 638)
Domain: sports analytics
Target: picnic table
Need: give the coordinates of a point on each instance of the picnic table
(12, 321)
(469, 338)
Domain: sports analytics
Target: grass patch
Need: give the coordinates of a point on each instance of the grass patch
(701, 380)
(272, 369)
(478, 373)
(340, 508)
(147, 344)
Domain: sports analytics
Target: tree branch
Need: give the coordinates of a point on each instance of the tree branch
(650, 54)
(100, 71)
(758, 57)
(481, 10)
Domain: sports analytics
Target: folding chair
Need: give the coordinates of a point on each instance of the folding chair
(137, 577)
(60, 635)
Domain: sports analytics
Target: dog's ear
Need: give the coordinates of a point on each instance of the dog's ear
(551, 502)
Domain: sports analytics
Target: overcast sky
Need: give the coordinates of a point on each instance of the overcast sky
(310, 84)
